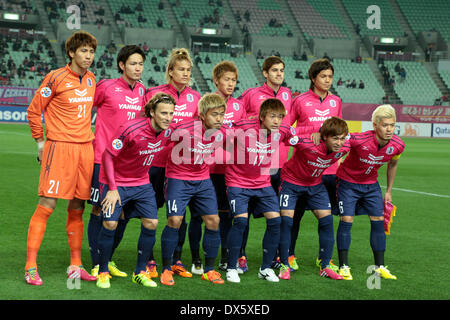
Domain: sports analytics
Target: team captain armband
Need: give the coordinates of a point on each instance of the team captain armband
(396, 157)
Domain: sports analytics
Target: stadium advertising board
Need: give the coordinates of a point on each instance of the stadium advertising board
(16, 95)
(441, 130)
(405, 113)
(405, 129)
(13, 114)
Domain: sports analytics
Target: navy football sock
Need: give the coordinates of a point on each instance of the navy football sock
(181, 238)
(225, 224)
(235, 240)
(93, 231)
(244, 239)
(121, 225)
(145, 246)
(285, 238)
(343, 239)
(105, 244)
(211, 244)
(326, 239)
(378, 241)
(298, 215)
(271, 241)
(169, 240)
(195, 236)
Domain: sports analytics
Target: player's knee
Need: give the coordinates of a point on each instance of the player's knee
(150, 223)
(76, 204)
(348, 219)
(174, 221)
(374, 218)
(212, 221)
(110, 225)
(48, 202)
(96, 210)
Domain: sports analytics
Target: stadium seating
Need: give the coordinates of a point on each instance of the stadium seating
(261, 13)
(150, 12)
(18, 7)
(445, 75)
(345, 69)
(88, 15)
(318, 19)
(194, 12)
(418, 88)
(427, 15)
(246, 78)
(389, 25)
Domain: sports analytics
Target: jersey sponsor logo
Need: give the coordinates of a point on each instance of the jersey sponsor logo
(118, 89)
(260, 148)
(322, 113)
(373, 160)
(46, 92)
(332, 103)
(262, 97)
(81, 93)
(153, 145)
(180, 108)
(132, 100)
(152, 148)
(308, 104)
(320, 163)
(117, 144)
(202, 148)
(236, 106)
(129, 107)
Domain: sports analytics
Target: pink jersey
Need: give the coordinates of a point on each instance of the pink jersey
(253, 154)
(193, 150)
(365, 157)
(186, 108)
(252, 99)
(235, 112)
(133, 147)
(306, 166)
(116, 103)
(310, 112)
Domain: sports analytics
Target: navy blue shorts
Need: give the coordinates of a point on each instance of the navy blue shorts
(199, 194)
(157, 177)
(95, 187)
(259, 200)
(316, 197)
(359, 199)
(137, 202)
(218, 181)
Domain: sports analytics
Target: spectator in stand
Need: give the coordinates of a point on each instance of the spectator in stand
(402, 74)
(358, 59)
(361, 84)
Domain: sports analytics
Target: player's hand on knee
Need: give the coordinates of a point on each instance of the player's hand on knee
(111, 198)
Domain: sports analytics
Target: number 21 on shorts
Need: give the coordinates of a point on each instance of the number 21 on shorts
(54, 187)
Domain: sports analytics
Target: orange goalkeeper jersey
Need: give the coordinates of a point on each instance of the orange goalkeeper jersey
(66, 99)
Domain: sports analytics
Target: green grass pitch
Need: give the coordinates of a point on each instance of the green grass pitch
(418, 248)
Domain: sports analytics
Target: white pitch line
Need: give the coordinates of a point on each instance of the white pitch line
(420, 192)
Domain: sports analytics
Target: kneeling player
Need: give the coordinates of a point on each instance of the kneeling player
(125, 184)
(248, 180)
(358, 190)
(301, 176)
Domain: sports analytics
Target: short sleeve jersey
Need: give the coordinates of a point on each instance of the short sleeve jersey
(66, 99)
(186, 108)
(253, 98)
(306, 166)
(310, 111)
(254, 154)
(366, 157)
(116, 103)
(133, 147)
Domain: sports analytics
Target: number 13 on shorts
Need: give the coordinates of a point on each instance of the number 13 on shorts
(284, 200)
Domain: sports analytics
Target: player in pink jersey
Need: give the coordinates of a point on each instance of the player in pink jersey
(188, 182)
(224, 75)
(358, 191)
(273, 72)
(117, 101)
(178, 78)
(247, 177)
(125, 185)
(310, 110)
(301, 177)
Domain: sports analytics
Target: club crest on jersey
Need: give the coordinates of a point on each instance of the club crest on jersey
(236, 106)
(190, 97)
(276, 136)
(167, 133)
(338, 155)
(333, 103)
(219, 137)
(285, 96)
(89, 82)
(117, 144)
(46, 92)
(390, 150)
(141, 91)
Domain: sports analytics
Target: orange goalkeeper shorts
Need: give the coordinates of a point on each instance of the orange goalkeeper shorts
(66, 170)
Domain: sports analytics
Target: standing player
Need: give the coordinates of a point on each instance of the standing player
(67, 156)
(358, 190)
(301, 176)
(117, 101)
(178, 78)
(188, 182)
(248, 179)
(273, 72)
(310, 110)
(125, 184)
